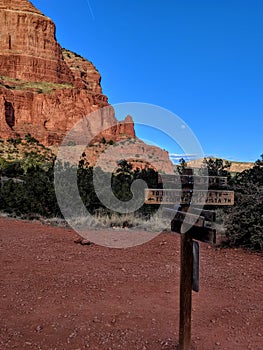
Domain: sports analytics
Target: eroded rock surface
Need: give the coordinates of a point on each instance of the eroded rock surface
(44, 89)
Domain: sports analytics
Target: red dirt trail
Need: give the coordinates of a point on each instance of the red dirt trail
(56, 294)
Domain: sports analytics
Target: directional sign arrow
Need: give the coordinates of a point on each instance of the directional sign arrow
(186, 197)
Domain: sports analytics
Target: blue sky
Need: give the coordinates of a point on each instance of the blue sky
(200, 59)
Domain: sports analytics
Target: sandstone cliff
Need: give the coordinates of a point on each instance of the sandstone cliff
(44, 89)
(29, 50)
(235, 167)
(140, 155)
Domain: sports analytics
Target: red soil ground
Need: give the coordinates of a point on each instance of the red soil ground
(56, 294)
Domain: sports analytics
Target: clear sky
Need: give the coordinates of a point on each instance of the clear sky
(200, 59)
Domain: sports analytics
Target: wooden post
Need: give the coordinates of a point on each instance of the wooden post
(201, 231)
(186, 283)
(186, 291)
(195, 286)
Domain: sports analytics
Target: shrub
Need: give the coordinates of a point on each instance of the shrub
(14, 141)
(244, 221)
(30, 139)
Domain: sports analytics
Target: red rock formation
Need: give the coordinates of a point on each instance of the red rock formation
(120, 131)
(135, 151)
(44, 89)
(85, 74)
(28, 47)
(48, 116)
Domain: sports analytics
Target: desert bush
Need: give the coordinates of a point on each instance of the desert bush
(244, 221)
(33, 194)
(30, 139)
(217, 167)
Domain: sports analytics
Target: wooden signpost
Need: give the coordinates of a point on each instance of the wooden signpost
(219, 181)
(193, 224)
(186, 197)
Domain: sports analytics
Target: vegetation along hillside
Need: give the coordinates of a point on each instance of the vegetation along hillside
(27, 190)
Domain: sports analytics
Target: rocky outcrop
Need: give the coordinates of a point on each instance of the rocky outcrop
(136, 152)
(107, 155)
(119, 131)
(235, 167)
(46, 116)
(28, 47)
(45, 90)
(84, 73)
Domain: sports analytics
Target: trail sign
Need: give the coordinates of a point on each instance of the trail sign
(187, 197)
(180, 216)
(205, 234)
(189, 189)
(218, 181)
(209, 215)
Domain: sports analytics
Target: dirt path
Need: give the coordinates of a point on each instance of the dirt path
(56, 294)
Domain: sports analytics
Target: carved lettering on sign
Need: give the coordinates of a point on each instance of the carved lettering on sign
(186, 197)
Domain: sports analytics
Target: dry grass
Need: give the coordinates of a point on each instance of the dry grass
(39, 87)
(12, 151)
(102, 220)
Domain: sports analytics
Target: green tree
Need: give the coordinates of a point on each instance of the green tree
(244, 221)
(182, 166)
(150, 176)
(217, 167)
(122, 180)
(35, 194)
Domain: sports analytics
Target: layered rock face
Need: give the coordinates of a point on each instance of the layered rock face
(28, 47)
(135, 151)
(45, 90)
